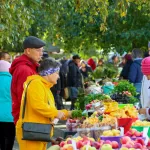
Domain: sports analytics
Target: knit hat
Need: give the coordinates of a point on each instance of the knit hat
(4, 66)
(146, 66)
(128, 57)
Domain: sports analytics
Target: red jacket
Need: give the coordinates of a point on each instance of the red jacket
(91, 63)
(21, 68)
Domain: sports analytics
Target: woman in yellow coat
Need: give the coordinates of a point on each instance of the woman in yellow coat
(40, 105)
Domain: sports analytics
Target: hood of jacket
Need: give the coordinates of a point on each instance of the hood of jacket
(22, 60)
(138, 61)
(39, 78)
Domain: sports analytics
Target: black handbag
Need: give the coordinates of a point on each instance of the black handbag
(35, 131)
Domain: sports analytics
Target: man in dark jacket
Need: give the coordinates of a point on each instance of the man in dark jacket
(21, 68)
(74, 80)
(135, 74)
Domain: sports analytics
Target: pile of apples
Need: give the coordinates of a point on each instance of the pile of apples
(133, 133)
(82, 143)
(128, 143)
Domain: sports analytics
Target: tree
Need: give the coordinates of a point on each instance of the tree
(15, 20)
(76, 25)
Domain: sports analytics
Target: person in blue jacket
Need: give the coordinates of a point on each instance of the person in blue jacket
(7, 127)
(135, 73)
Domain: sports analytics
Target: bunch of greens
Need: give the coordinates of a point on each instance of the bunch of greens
(106, 71)
(76, 113)
(125, 85)
(119, 95)
(91, 97)
(84, 100)
(132, 100)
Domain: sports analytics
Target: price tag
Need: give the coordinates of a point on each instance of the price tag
(121, 131)
(87, 146)
(74, 144)
(55, 121)
(145, 131)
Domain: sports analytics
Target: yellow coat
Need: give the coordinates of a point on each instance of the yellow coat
(40, 108)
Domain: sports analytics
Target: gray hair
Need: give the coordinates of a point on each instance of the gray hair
(137, 53)
(48, 63)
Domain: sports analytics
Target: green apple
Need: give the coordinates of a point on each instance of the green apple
(123, 148)
(92, 148)
(106, 147)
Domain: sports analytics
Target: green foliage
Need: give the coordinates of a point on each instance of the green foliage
(132, 100)
(15, 21)
(76, 114)
(106, 71)
(125, 86)
(82, 26)
(86, 99)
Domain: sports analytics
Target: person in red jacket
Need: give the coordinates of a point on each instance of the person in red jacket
(22, 67)
(92, 63)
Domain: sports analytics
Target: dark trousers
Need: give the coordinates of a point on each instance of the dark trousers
(7, 135)
(73, 100)
(58, 101)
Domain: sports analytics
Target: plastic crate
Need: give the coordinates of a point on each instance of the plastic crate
(140, 129)
(112, 138)
(126, 123)
(123, 105)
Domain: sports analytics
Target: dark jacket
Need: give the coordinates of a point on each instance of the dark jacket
(135, 74)
(85, 73)
(126, 69)
(74, 75)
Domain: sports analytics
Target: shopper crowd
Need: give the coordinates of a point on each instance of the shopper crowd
(47, 81)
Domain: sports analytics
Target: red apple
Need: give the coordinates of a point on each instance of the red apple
(137, 134)
(125, 139)
(114, 144)
(62, 144)
(129, 133)
(79, 144)
(128, 146)
(69, 142)
(96, 145)
(137, 145)
(140, 140)
(107, 142)
(101, 142)
(85, 138)
(130, 143)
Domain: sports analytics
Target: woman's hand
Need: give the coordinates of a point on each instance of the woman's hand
(69, 114)
(142, 111)
(61, 114)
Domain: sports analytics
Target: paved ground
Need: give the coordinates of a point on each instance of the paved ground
(59, 128)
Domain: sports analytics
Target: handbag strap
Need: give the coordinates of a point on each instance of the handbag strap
(25, 100)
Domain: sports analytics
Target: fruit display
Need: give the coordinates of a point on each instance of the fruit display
(89, 122)
(133, 133)
(141, 123)
(113, 132)
(110, 106)
(128, 143)
(125, 112)
(72, 124)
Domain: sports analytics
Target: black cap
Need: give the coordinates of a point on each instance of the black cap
(33, 42)
(76, 57)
